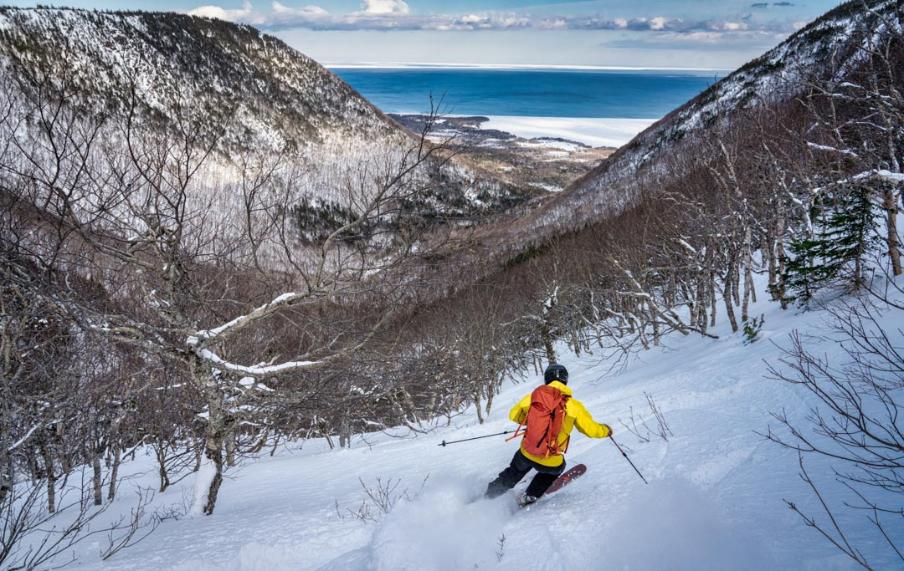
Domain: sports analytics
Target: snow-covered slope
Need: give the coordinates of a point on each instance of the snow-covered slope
(209, 78)
(182, 64)
(715, 498)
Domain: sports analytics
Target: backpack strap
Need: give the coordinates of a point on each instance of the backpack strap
(554, 449)
(518, 431)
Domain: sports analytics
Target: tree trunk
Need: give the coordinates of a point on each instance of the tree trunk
(160, 450)
(213, 434)
(6, 463)
(700, 304)
(198, 455)
(97, 480)
(704, 276)
(729, 307)
(114, 471)
(894, 250)
(275, 445)
(479, 410)
(230, 449)
(214, 451)
(779, 254)
(712, 299)
(769, 253)
(735, 281)
(548, 344)
(49, 473)
(345, 433)
(491, 392)
(656, 331)
(747, 261)
(745, 304)
(34, 468)
(64, 457)
(751, 285)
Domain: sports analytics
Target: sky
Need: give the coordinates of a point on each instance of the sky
(699, 34)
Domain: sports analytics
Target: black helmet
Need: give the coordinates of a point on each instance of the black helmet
(555, 372)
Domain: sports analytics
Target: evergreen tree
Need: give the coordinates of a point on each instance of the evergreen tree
(844, 231)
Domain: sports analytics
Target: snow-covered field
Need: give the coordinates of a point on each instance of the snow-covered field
(714, 500)
(594, 132)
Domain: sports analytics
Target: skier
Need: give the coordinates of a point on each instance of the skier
(546, 434)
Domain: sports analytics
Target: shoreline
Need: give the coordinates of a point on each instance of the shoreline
(521, 67)
(609, 132)
(594, 132)
(537, 155)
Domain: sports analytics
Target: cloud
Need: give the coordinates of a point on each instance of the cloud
(211, 11)
(386, 7)
(764, 5)
(305, 12)
(388, 15)
(678, 26)
(396, 15)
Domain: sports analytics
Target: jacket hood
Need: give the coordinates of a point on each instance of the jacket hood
(561, 386)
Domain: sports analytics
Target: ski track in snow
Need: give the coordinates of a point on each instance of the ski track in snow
(714, 499)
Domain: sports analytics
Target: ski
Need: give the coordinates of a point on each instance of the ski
(563, 480)
(566, 478)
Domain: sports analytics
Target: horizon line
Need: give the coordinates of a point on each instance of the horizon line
(505, 66)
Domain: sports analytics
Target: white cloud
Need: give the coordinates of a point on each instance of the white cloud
(283, 11)
(658, 23)
(244, 13)
(552, 24)
(396, 15)
(384, 7)
(730, 26)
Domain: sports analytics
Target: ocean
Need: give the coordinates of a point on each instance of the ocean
(597, 107)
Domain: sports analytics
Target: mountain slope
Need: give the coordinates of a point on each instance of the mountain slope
(832, 44)
(277, 95)
(256, 94)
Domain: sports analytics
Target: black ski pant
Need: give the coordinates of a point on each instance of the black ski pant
(518, 468)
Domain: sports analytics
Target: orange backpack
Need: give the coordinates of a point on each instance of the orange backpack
(544, 422)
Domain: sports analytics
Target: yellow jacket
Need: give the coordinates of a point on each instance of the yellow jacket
(575, 415)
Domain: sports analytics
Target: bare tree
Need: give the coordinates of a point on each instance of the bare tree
(854, 424)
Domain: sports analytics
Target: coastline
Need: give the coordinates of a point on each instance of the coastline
(594, 132)
(536, 155)
(520, 67)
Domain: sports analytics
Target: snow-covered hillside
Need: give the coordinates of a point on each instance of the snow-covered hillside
(206, 81)
(181, 65)
(715, 498)
(831, 46)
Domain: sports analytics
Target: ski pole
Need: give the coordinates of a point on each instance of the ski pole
(444, 443)
(628, 459)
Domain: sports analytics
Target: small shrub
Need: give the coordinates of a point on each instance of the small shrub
(752, 329)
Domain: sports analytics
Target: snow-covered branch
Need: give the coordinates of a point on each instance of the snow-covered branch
(24, 439)
(828, 149)
(202, 337)
(256, 371)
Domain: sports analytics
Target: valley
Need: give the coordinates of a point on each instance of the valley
(242, 307)
(541, 165)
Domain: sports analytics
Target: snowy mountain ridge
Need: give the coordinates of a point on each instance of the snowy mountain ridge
(251, 91)
(277, 95)
(832, 44)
